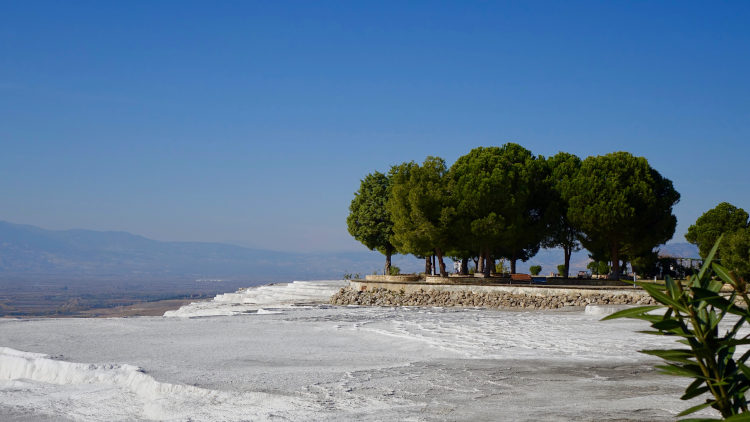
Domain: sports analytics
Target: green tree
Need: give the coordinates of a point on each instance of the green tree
(563, 168)
(499, 197)
(622, 205)
(535, 269)
(420, 209)
(737, 253)
(724, 218)
(368, 220)
(646, 264)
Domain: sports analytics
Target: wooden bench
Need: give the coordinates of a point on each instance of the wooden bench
(521, 277)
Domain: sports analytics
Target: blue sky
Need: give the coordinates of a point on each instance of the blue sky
(252, 122)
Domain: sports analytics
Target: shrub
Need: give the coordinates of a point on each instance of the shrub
(561, 269)
(395, 270)
(501, 268)
(535, 269)
(593, 266)
(693, 313)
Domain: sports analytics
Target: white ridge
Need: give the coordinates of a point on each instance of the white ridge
(135, 395)
(260, 299)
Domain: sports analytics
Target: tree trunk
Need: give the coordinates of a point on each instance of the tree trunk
(487, 268)
(480, 263)
(427, 265)
(387, 262)
(513, 265)
(568, 252)
(464, 266)
(434, 267)
(615, 263)
(439, 253)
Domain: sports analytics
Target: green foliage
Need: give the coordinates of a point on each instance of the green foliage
(593, 266)
(561, 269)
(395, 270)
(505, 202)
(420, 209)
(369, 222)
(598, 267)
(646, 264)
(350, 276)
(622, 205)
(562, 169)
(535, 269)
(693, 313)
(724, 218)
(499, 196)
(737, 253)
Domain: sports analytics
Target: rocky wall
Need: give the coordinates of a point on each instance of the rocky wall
(488, 299)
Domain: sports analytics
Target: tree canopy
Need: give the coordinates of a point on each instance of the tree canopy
(621, 205)
(563, 168)
(734, 249)
(420, 209)
(724, 218)
(737, 253)
(369, 222)
(505, 202)
(499, 197)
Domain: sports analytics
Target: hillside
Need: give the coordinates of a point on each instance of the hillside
(28, 250)
(31, 251)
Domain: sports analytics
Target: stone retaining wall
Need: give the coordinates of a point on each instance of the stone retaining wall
(392, 278)
(499, 297)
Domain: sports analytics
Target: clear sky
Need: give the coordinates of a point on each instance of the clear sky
(253, 122)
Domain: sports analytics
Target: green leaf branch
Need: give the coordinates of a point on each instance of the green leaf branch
(693, 313)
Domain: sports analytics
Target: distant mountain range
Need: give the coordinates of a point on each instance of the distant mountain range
(31, 251)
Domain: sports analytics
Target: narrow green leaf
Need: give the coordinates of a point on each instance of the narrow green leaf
(744, 357)
(695, 409)
(709, 258)
(695, 393)
(648, 283)
(715, 286)
(724, 274)
(674, 355)
(745, 370)
(631, 312)
(672, 287)
(659, 296)
(670, 353)
(742, 417)
(690, 371)
(655, 333)
(667, 325)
